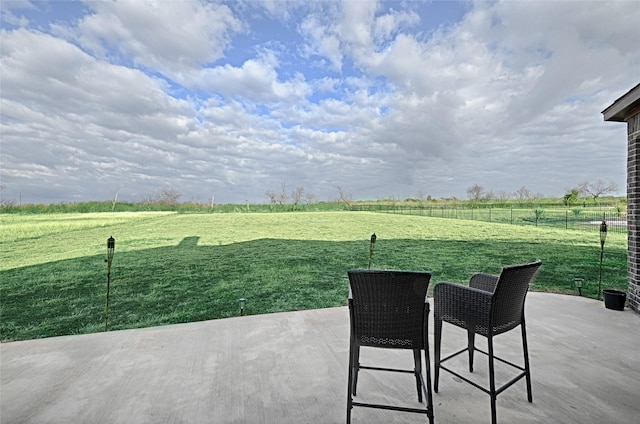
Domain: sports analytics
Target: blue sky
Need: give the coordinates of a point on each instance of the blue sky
(382, 99)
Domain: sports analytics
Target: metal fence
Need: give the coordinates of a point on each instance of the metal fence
(575, 219)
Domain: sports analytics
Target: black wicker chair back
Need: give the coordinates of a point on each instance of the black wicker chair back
(389, 309)
(509, 296)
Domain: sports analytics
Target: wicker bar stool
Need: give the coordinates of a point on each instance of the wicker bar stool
(388, 309)
(490, 306)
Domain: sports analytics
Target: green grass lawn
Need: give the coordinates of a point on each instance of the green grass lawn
(172, 268)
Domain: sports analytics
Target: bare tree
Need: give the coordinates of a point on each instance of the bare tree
(503, 195)
(166, 196)
(597, 188)
(523, 193)
(273, 197)
(279, 198)
(345, 198)
(296, 195)
(310, 197)
(150, 198)
(282, 197)
(169, 196)
(6, 203)
(475, 192)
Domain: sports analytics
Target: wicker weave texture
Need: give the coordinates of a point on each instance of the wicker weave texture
(388, 307)
(490, 303)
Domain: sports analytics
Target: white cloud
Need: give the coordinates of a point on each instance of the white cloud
(170, 37)
(7, 12)
(322, 42)
(73, 82)
(255, 81)
(237, 98)
(388, 25)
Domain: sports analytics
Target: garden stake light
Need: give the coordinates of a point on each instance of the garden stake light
(578, 283)
(111, 247)
(603, 238)
(242, 302)
(371, 246)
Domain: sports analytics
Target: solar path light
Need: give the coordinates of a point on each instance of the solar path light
(242, 301)
(578, 283)
(371, 247)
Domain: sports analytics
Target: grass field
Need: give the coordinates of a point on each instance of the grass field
(171, 268)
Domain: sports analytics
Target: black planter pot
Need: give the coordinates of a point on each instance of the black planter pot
(614, 299)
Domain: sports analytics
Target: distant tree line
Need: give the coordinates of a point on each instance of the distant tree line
(169, 198)
(587, 189)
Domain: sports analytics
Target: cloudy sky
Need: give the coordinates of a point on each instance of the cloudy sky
(383, 99)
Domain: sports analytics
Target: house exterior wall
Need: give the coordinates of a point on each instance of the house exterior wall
(633, 208)
(627, 109)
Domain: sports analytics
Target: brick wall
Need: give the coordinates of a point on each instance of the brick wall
(633, 209)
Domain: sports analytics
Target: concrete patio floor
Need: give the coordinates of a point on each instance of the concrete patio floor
(292, 368)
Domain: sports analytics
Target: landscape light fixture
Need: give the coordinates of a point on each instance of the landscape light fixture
(578, 283)
(242, 301)
(371, 247)
(111, 248)
(603, 239)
